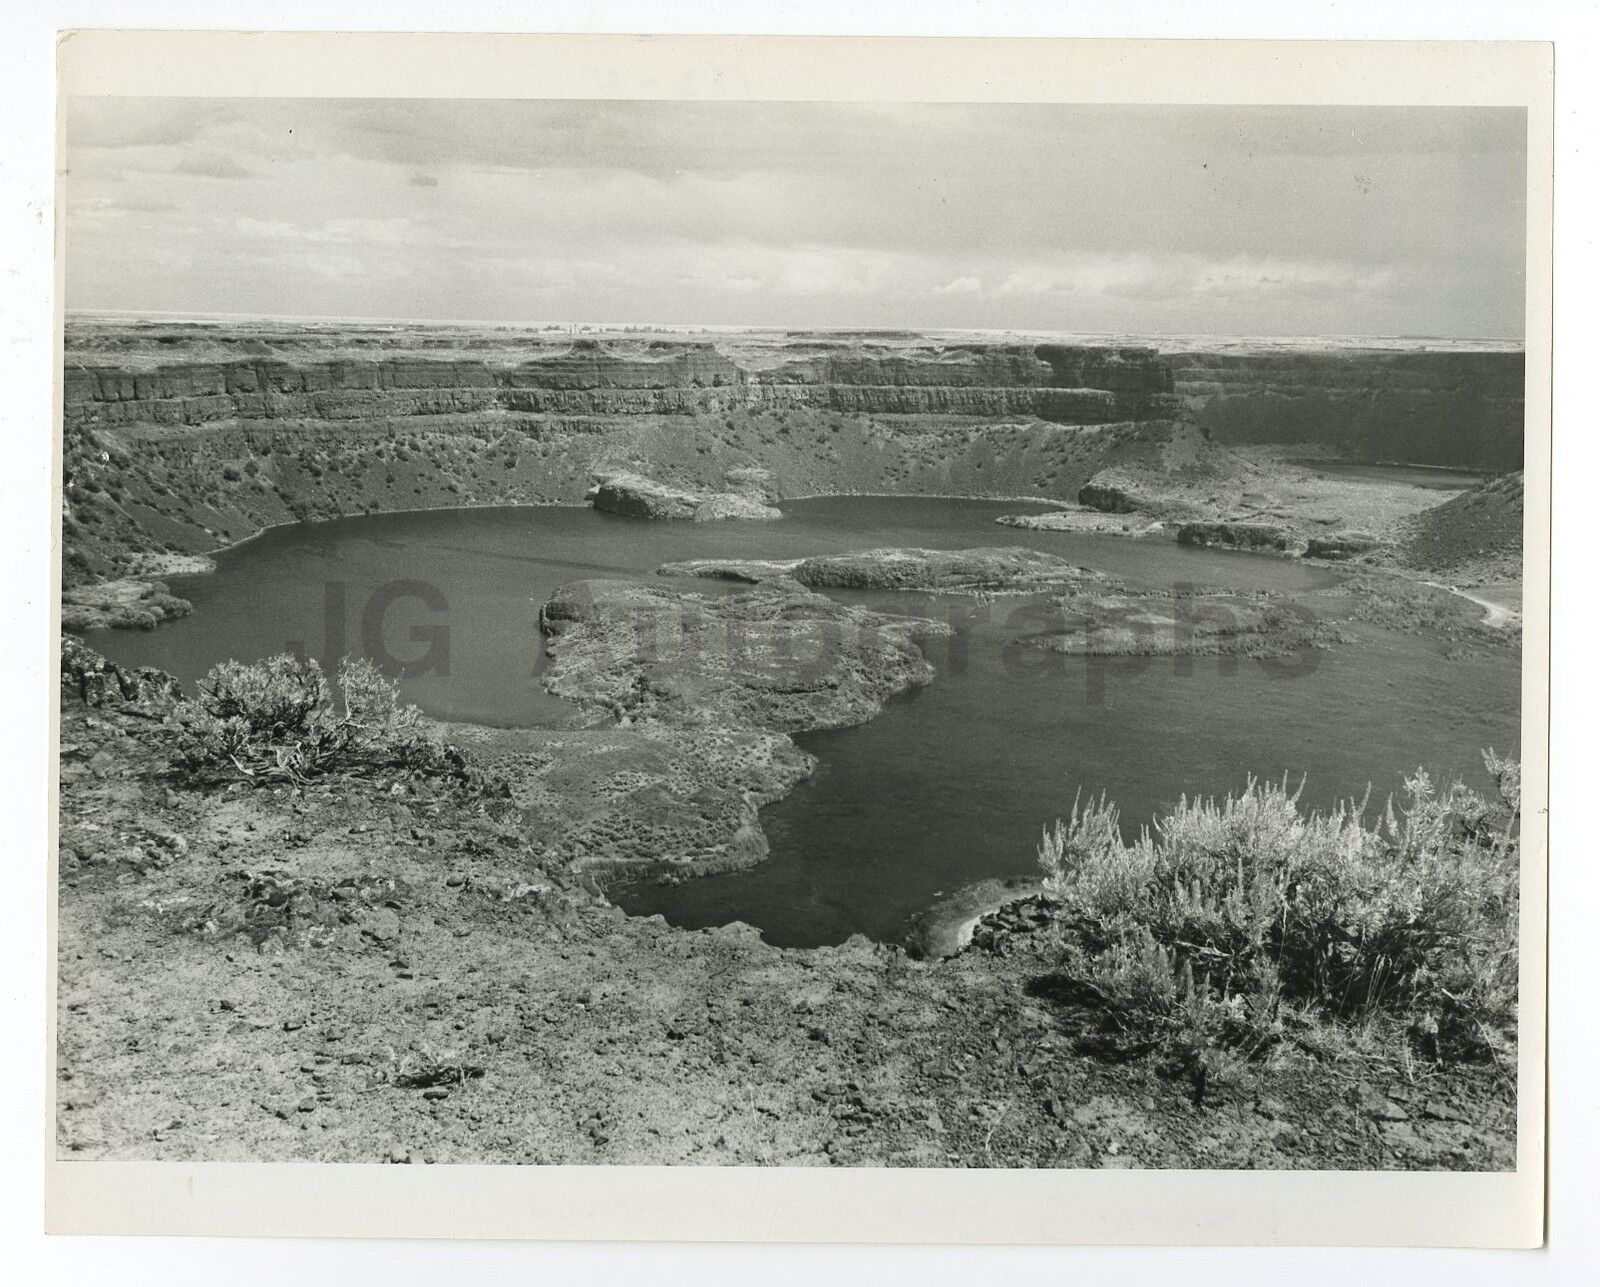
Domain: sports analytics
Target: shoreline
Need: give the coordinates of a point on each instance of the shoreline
(341, 518)
(1049, 501)
(622, 874)
(1495, 615)
(414, 985)
(228, 546)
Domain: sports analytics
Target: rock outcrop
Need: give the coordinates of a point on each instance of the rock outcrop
(1138, 623)
(947, 927)
(1342, 545)
(1237, 536)
(1110, 499)
(984, 570)
(636, 497)
(778, 658)
(124, 604)
(1082, 520)
(89, 678)
(997, 570)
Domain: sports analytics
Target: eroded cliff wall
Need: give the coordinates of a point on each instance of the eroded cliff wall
(1070, 385)
(185, 443)
(188, 456)
(1435, 408)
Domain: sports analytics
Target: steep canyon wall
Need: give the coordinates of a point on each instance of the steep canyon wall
(187, 456)
(182, 448)
(1432, 408)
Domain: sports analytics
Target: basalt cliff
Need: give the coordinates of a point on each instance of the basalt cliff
(1459, 408)
(181, 439)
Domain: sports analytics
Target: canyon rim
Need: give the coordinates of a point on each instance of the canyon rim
(791, 634)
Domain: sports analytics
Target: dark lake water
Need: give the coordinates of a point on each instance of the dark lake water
(951, 783)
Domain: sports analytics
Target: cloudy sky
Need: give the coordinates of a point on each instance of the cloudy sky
(1267, 221)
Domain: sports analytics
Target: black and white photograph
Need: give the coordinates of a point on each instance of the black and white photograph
(750, 634)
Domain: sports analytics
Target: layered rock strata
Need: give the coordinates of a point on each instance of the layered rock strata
(186, 457)
(1439, 408)
(181, 439)
(1070, 384)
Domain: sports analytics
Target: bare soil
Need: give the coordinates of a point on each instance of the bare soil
(364, 970)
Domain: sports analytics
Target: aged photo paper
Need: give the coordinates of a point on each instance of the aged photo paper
(801, 639)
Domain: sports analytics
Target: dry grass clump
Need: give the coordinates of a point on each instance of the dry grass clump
(1230, 926)
(277, 720)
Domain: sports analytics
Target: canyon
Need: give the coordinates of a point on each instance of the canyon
(369, 932)
(181, 439)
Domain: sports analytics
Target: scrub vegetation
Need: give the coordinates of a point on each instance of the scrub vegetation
(278, 720)
(1229, 929)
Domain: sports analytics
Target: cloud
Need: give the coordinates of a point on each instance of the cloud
(101, 211)
(1245, 275)
(369, 232)
(1081, 275)
(333, 267)
(211, 166)
(267, 228)
(823, 273)
(347, 232)
(1175, 276)
(1386, 220)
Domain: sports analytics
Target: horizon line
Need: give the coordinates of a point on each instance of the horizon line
(180, 315)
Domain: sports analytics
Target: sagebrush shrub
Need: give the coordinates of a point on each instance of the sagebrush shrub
(1226, 923)
(278, 720)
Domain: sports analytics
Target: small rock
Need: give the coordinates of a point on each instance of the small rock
(382, 924)
(1377, 1105)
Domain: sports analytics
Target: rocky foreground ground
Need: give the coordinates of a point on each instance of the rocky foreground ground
(373, 967)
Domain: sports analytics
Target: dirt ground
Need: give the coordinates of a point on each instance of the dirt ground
(367, 970)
